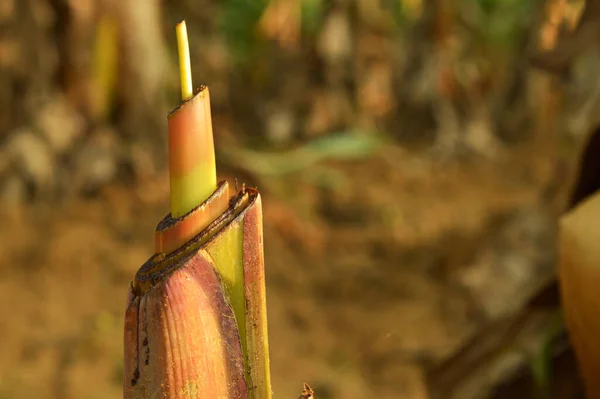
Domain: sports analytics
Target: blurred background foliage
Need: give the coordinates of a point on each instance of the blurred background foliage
(412, 162)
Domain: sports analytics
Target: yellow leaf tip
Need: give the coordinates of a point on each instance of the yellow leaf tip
(185, 69)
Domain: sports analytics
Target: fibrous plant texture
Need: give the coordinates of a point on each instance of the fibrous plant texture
(195, 322)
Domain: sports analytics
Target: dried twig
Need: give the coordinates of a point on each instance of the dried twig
(307, 392)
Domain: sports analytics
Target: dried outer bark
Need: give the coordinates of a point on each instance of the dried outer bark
(166, 275)
(307, 392)
(579, 279)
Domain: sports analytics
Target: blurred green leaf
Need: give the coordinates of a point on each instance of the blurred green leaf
(344, 145)
(399, 12)
(239, 20)
(326, 177)
(541, 364)
(353, 145)
(504, 20)
(312, 15)
(105, 66)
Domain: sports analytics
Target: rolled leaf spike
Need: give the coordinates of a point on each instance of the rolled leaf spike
(185, 65)
(193, 173)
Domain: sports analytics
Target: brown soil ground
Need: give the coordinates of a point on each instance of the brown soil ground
(368, 286)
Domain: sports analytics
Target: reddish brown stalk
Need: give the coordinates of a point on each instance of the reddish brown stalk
(173, 233)
(196, 324)
(245, 212)
(187, 340)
